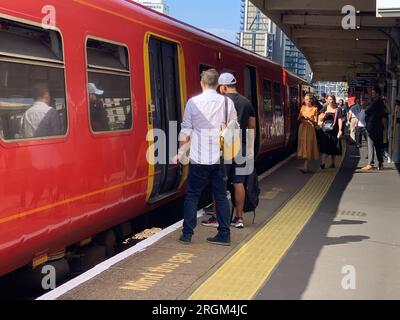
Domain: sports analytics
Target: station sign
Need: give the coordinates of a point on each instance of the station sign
(387, 8)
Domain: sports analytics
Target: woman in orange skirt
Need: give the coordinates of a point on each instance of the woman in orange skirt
(308, 146)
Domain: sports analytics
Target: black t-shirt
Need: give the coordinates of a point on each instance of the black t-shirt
(244, 111)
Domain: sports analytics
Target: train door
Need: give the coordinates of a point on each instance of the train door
(165, 107)
(250, 92)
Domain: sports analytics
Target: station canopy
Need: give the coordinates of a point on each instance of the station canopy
(336, 54)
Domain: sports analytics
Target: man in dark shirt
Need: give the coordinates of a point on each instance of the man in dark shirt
(98, 115)
(374, 120)
(247, 120)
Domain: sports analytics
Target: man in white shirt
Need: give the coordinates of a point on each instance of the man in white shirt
(362, 125)
(41, 120)
(353, 118)
(205, 116)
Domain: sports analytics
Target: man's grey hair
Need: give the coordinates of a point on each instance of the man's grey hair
(210, 78)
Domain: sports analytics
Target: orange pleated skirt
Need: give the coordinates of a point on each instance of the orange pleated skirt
(308, 145)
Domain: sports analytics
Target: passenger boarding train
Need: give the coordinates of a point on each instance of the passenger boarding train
(113, 71)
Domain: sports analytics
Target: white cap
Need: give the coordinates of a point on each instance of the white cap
(93, 89)
(227, 79)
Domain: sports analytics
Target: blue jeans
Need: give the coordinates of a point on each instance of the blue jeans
(199, 178)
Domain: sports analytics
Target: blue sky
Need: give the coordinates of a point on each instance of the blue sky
(220, 17)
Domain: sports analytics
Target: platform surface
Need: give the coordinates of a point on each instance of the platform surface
(331, 234)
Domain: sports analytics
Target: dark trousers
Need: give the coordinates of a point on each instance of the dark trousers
(199, 178)
(375, 143)
(360, 133)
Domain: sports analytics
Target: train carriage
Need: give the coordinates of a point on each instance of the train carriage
(92, 172)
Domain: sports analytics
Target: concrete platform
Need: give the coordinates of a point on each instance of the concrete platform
(332, 234)
(351, 247)
(170, 270)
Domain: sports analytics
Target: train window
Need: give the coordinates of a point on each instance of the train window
(32, 93)
(105, 55)
(21, 40)
(204, 67)
(294, 99)
(267, 97)
(277, 99)
(108, 87)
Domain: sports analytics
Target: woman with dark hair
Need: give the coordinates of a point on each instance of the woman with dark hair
(308, 146)
(331, 124)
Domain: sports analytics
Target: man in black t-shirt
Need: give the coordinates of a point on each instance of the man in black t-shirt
(247, 120)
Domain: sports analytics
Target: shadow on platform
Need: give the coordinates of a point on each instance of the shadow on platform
(290, 280)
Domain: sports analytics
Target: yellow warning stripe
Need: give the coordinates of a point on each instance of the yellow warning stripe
(243, 274)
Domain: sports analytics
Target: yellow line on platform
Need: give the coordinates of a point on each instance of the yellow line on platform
(243, 274)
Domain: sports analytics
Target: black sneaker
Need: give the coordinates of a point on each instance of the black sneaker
(220, 241)
(185, 239)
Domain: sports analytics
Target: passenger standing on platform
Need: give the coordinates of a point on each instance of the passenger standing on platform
(353, 117)
(331, 125)
(343, 110)
(307, 145)
(361, 125)
(247, 120)
(323, 99)
(201, 127)
(374, 119)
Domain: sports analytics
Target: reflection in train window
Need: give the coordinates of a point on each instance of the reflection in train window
(32, 92)
(294, 99)
(267, 97)
(277, 99)
(108, 87)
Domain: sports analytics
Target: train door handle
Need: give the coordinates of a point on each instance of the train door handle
(151, 108)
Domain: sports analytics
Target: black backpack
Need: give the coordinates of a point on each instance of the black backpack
(252, 199)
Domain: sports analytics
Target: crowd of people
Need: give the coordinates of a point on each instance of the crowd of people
(323, 122)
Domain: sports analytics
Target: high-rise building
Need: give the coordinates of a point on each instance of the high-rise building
(295, 61)
(260, 35)
(255, 30)
(338, 89)
(158, 5)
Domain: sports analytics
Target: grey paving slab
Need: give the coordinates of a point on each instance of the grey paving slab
(355, 232)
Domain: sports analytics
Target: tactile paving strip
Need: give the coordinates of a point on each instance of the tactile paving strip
(243, 274)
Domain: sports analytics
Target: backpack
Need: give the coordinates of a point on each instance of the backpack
(252, 195)
(252, 192)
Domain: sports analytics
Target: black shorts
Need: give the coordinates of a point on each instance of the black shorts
(233, 177)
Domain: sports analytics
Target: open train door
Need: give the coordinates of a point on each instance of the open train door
(165, 96)
(251, 93)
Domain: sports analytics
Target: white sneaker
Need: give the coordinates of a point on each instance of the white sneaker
(237, 223)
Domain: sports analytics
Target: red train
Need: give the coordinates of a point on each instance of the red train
(86, 170)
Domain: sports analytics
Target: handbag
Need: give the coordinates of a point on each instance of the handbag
(330, 126)
(230, 140)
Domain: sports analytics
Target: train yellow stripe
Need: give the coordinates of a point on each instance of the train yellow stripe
(244, 274)
(70, 200)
